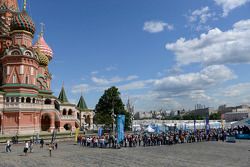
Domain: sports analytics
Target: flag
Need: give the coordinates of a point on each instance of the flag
(194, 126)
(100, 131)
(76, 133)
(120, 127)
(207, 124)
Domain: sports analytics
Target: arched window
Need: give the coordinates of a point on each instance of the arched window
(22, 99)
(47, 101)
(27, 53)
(70, 112)
(7, 99)
(64, 111)
(28, 100)
(33, 100)
(17, 99)
(15, 53)
(12, 99)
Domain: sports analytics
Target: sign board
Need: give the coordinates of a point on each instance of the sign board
(230, 139)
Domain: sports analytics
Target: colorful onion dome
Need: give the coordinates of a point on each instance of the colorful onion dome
(22, 21)
(43, 59)
(11, 5)
(43, 47)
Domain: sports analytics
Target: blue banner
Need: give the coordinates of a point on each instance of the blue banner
(100, 131)
(194, 126)
(243, 136)
(120, 127)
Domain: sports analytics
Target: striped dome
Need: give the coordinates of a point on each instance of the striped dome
(43, 59)
(43, 47)
(22, 21)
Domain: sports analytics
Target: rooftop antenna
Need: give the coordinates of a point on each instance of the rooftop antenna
(81, 91)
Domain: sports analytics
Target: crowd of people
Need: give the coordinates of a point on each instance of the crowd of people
(153, 139)
(141, 139)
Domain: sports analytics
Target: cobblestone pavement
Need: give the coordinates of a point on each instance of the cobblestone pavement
(183, 155)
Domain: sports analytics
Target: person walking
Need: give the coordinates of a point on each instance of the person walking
(42, 143)
(7, 148)
(26, 148)
(50, 150)
(31, 146)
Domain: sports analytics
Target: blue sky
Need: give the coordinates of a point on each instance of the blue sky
(167, 54)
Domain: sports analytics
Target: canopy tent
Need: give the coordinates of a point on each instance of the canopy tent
(149, 129)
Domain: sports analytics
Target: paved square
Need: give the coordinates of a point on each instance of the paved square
(195, 154)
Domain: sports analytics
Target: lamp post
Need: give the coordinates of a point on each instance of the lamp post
(113, 117)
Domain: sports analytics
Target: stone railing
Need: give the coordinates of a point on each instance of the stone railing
(67, 117)
(28, 106)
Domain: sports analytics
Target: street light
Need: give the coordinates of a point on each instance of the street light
(113, 117)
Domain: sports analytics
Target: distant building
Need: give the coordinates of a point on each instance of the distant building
(203, 112)
(224, 109)
(238, 113)
(143, 115)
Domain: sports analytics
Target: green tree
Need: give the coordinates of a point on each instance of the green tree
(215, 116)
(108, 102)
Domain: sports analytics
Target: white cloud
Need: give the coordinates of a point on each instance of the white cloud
(94, 72)
(80, 88)
(198, 18)
(228, 5)
(238, 90)
(198, 95)
(215, 47)
(183, 85)
(110, 68)
(135, 85)
(200, 15)
(157, 26)
(104, 81)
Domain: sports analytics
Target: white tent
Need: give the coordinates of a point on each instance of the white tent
(149, 129)
(244, 122)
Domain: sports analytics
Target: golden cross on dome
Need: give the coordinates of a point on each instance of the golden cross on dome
(24, 4)
(42, 29)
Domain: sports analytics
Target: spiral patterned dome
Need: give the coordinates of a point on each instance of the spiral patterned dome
(43, 47)
(43, 59)
(22, 21)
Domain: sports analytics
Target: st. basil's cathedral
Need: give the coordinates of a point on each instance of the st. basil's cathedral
(27, 103)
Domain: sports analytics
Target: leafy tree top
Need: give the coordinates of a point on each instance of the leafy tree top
(108, 102)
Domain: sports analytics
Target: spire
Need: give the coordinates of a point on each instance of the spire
(82, 104)
(42, 29)
(62, 96)
(42, 45)
(24, 5)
